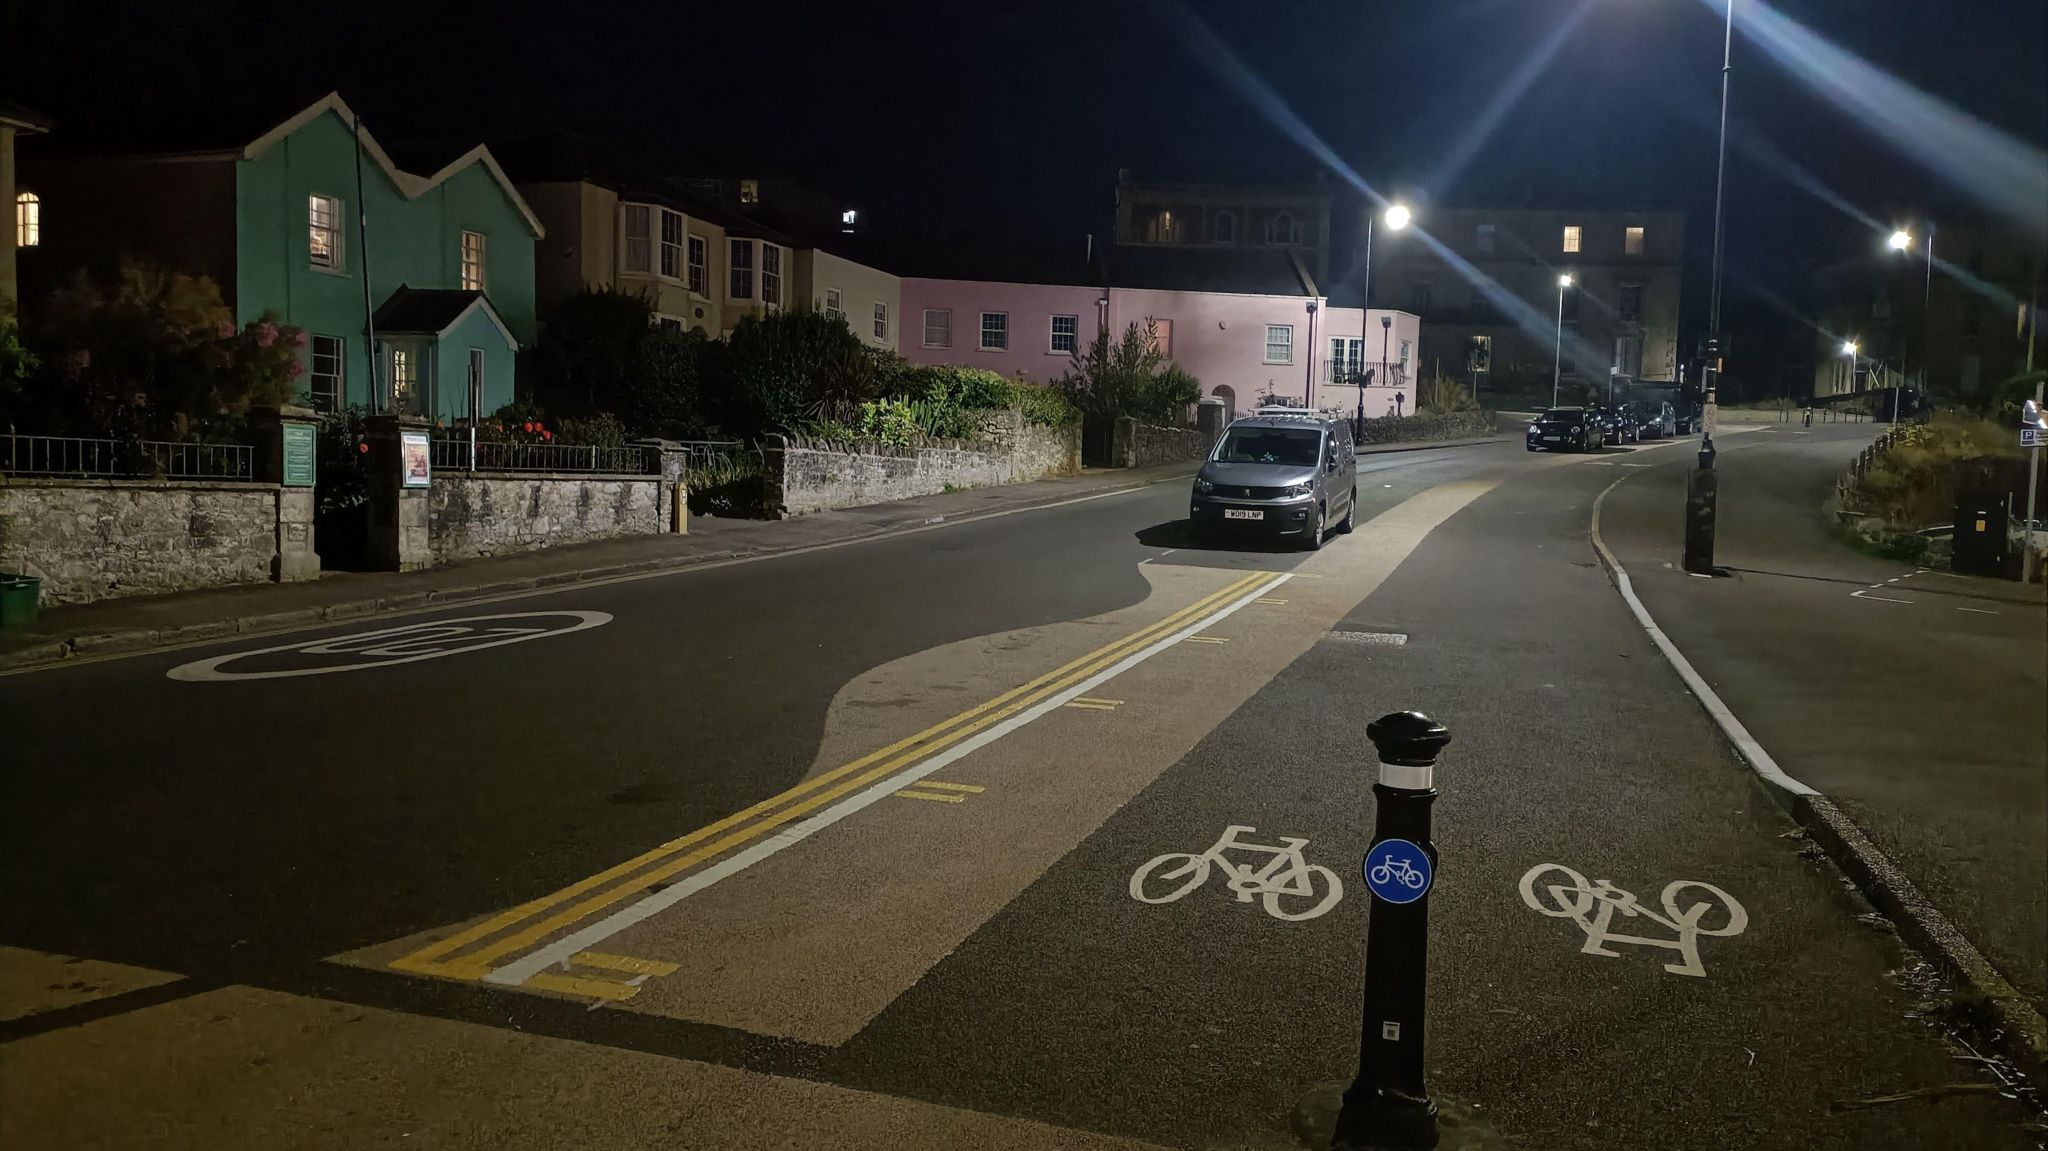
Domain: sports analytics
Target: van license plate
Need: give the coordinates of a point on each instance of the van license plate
(1243, 514)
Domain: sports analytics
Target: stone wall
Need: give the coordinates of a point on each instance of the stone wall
(805, 476)
(472, 514)
(1416, 429)
(1142, 446)
(98, 539)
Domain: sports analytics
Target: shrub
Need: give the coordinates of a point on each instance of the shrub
(603, 352)
(1443, 395)
(603, 430)
(1129, 377)
(780, 369)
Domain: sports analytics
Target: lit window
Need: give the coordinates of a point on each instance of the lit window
(1632, 242)
(323, 231)
(1482, 240)
(750, 191)
(1163, 229)
(325, 386)
(472, 261)
(28, 220)
(938, 327)
(1225, 230)
(639, 238)
(1571, 237)
(742, 261)
(699, 274)
(1066, 334)
(403, 381)
(1279, 343)
(771, 274)
(881, 320)
(995, 331)
(834, 303)
(672, 244)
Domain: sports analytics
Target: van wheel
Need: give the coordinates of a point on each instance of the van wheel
(1313, 541)
(1350, 515)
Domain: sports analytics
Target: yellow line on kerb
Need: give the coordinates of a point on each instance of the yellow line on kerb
(429, 960)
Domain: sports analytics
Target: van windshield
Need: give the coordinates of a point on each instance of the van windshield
(1298, 446)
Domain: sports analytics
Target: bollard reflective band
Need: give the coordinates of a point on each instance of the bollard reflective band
(1408, 776)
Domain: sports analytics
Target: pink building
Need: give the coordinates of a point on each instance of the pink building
(1247, 349)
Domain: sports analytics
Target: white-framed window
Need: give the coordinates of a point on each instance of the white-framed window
(995, 331)
(1066, 335)
(672, 234)
(740, 257)
(28, 219)
(1571, 237)
(1628, 355)
(1279, 343)
(639, 238)
(1223, 230)
(835, 303)
(323, 231)
(1482, 240)
(700, 272)
(938, 327)
(771, 273)
(472, 261)
(324, 381)
(1283, 229)
(1632, 241)
(1347, 359)
(881, 320)
(1407, 348)
(404, 379)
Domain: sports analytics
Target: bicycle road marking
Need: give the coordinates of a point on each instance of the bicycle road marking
(1269, 882)
(1577, 901)
(390, 646)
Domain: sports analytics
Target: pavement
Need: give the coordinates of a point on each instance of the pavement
(1915, 699)
(875, 844)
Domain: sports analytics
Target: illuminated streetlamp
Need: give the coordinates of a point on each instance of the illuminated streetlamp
(1557, 351)
(1849, 350)
(1902, 241)
(1398, 217)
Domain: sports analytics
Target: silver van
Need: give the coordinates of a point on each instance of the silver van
(1290, 476)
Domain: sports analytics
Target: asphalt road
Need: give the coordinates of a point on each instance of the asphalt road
(1917, 700)
(837, 849)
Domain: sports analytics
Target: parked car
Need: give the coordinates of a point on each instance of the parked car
(1562, 429)
(1686, 423)
(1619, 425)
(1290, 476)
(1656, 419)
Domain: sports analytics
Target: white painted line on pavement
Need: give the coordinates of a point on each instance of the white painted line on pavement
(1759, 760)
(1865, 595)
(520, 970)
(1976, 611)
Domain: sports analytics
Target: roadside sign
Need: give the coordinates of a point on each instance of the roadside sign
(1397, 871)
(298, 455)
(415, 457)
(2030, 437)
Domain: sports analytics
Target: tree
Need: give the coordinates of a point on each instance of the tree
(782, 369)
(156, 354)
(1129, 377)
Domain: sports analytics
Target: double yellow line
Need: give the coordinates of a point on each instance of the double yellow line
(677, 855)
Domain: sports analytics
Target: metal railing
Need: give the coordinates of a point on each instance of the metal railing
(124, 459)
(454, 454)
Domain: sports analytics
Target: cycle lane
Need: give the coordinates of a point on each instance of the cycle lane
(1202, 1021)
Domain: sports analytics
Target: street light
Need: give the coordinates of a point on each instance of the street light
(1398, 217)
(1557, 351)
(1902, 241)
(1849, 350)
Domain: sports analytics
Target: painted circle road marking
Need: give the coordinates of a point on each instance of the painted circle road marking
(387, 647)
(1397, 871)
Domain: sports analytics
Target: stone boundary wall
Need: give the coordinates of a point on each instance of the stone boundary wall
(90, 539)
(1139, 445)
(476, 514)
(1419, 429)
(805, 476)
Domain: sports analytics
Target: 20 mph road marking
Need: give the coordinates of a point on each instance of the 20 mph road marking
(389, 646)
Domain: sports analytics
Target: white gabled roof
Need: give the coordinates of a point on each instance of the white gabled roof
(413, 186)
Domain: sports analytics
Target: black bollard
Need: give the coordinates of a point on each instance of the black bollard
(1702, 490)
(1387, 1106)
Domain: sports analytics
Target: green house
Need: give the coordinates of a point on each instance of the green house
(296, 221)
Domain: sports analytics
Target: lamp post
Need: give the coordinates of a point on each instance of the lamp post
(1397, 217)
(1711, 376)
(1902, 241)
(1308, 372)
(1557, 349)
(1386, 339)
(1849, 350)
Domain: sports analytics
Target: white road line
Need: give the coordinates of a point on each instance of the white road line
(520, 970)
(1759, 760)
(1976, 611)
(1865, 595)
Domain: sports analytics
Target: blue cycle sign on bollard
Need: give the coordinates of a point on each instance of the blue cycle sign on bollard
(1397, 871)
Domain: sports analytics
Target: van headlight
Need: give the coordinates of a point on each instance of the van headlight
(1300, 489)
(1203, 487)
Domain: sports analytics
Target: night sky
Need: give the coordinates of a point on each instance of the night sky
(1011, 119)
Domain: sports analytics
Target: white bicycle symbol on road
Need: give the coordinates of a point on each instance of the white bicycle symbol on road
(1571, 897)
(1392, 869)
(1287, 875)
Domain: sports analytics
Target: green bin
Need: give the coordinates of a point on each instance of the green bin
(18, 594)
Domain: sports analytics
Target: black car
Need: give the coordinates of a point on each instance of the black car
(1564, 429)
